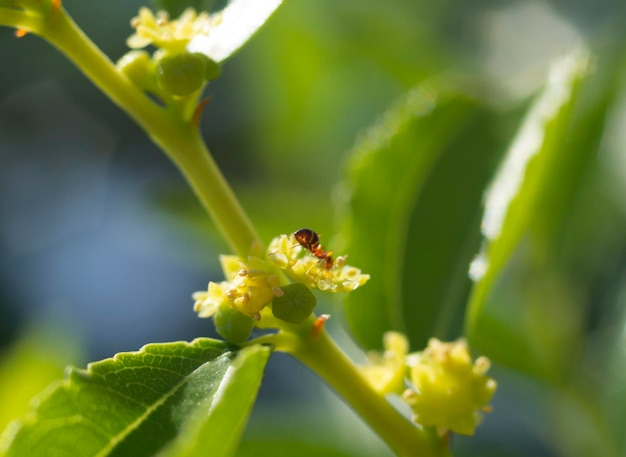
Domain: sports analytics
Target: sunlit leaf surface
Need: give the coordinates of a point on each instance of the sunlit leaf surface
(240, 20)
(516, 194)
(174, 398)
(537, 271)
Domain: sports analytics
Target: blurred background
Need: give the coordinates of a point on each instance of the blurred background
(102, 243)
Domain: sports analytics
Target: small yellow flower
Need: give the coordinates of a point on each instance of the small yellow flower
(450, 391)
(386, 373)
(303, 267)
(172, 35)
(253, 288)
(231, 264)
(207, 302)
(249, 288)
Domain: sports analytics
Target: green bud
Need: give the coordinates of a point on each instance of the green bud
(295, 305)
(137, 67)
(232, 325)
(182, 73)
(213, 69)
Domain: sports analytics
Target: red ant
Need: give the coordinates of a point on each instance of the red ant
(311, 241)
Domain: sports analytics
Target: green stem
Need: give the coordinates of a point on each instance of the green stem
(20, 20)
(179, 139)
(321, 354)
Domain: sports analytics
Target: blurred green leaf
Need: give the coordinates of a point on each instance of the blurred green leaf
(175, 399)
(26, 368)
(410, 214)
(327, 69)
(513, 197)
(528, 226)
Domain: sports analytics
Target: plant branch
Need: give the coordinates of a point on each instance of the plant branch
(19, 19)
(181, 141)
(321, 354)
(178, 138)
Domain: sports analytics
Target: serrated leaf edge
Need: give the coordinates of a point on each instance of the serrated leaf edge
(14, 426)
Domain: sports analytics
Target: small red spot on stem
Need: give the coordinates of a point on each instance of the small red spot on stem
(19, 33)
(318, 325)
(197, 114)
(56, 5)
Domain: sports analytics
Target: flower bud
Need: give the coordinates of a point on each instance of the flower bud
(183, 73)
(295, 305)
(137, 66)
(213, 69)
(232, 325)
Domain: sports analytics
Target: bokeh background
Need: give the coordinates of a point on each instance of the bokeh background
(102, 243)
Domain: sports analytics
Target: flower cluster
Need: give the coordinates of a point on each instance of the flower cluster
(249, 287)
(305, 268)
(172, 35)
(172, 70)
(253, 284)
(446, 389)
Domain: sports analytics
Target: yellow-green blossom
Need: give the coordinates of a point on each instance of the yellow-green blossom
(386, 372)
(249, 288)
(303, 267)
(172, 35)
(206, 303)
(450, 391)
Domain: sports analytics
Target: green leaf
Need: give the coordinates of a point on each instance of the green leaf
(515, 193)
(411, 214)
(240, 20)
(30, 364)
(527, 218)
(176, 399)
